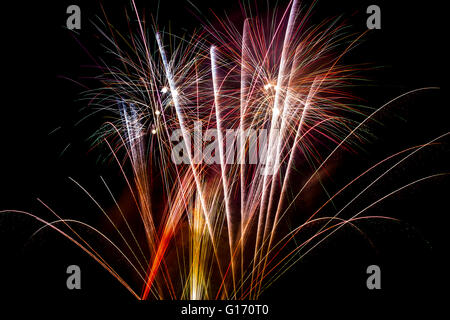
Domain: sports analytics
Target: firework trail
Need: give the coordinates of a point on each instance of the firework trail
(216, 228)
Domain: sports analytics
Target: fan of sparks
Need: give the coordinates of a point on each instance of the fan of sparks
(223, 230)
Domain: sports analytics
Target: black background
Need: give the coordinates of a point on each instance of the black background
(39, 53)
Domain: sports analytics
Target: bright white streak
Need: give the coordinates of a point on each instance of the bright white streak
(222, 158)
(242, 142)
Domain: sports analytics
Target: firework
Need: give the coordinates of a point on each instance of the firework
(216, 227)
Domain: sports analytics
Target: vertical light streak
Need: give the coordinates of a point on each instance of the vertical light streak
(226, 192)
(242, 142)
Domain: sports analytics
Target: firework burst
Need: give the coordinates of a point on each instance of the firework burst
(219, 230)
